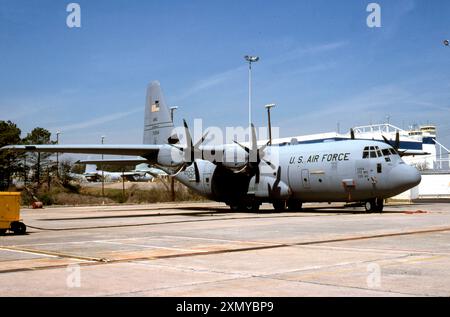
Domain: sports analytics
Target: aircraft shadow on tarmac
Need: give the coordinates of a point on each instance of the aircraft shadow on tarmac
(208, 211)
(324, 210)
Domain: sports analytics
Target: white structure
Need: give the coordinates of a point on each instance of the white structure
(432, 186)
(434, 166)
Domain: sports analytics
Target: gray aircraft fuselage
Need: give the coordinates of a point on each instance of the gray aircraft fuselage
(346, 171)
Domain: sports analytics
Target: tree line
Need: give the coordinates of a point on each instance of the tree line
(28, 167)
(31, 167)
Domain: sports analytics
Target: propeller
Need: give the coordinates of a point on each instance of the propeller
(189, 152)
(275, 191)
(255, 156)
(352, 134)
(396, 144)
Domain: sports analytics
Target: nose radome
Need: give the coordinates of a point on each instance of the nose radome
(405, 176)
(414, 176)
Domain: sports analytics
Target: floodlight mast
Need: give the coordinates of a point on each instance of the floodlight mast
(250, 60)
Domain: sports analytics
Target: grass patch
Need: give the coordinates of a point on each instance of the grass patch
(74, 194)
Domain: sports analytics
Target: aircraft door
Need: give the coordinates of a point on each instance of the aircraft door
(305, 179)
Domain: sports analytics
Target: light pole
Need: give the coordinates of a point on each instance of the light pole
(250, 60)
(57, 154)
(103, 173)
(172, 181)
(268, 107)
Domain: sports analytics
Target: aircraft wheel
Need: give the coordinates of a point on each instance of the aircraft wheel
(254, 206)
(379, 204)
(370, 205)
(279, 205)
(18, 228)
(294, 205)
(234, 207)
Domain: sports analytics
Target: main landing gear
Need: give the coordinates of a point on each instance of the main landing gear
(291, 204)
(248, 206)
(374, 205)
(278, 205)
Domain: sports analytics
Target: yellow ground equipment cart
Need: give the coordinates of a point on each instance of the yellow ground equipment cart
(10, 213)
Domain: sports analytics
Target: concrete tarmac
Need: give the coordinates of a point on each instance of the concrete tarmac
(204, 249)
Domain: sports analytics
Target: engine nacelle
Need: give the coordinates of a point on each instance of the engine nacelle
(201, 180)
(268, 187)
(170, 156)
(233, 157)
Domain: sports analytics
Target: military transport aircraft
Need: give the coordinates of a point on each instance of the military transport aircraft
(245, 175)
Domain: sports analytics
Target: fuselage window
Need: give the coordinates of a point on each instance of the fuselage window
(386, 152)
(373, 154)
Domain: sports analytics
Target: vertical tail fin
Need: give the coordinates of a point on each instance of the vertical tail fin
(158, 124)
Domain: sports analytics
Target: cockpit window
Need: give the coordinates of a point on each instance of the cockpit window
(374, 152)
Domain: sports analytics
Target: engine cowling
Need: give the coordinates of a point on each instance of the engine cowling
(230, 156)
(170, 156)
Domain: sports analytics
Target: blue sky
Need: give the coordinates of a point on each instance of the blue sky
(320, 64)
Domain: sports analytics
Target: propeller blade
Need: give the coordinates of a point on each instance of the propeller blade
(197, 172)
(254, 147)
(397, 140)
(200, 142)
(386, 140)
(188, 134)
(262, 148)
(269, 163)
(191, 148)
(352, 134)
(189, 151)
(177, 147)
(242, 146)
(277, 181)
(241, 170)
(274, 191)
(395, 146)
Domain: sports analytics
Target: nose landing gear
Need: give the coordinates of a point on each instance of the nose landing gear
(374, 205)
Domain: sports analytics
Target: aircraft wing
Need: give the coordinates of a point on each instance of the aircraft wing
(121, 149)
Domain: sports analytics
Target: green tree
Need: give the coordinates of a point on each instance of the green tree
(9, 161)
(39, 161)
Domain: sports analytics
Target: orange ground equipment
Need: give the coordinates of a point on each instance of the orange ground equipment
(10, 213)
